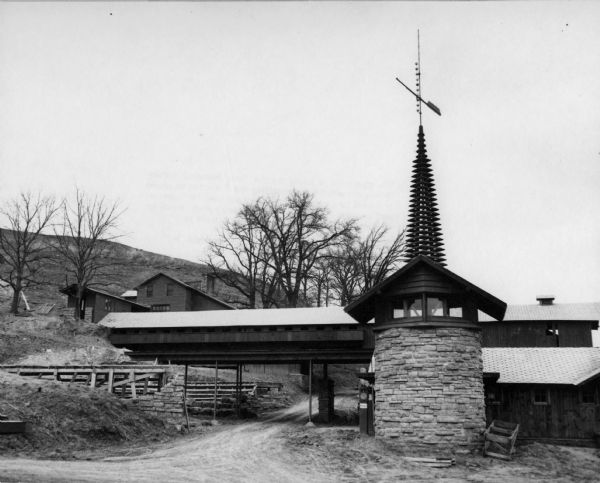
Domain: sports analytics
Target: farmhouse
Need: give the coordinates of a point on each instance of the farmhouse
(163, 293)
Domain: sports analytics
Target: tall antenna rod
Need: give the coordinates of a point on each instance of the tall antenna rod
(418, 69)
(417, 94)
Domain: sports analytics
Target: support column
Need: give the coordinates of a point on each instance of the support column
(326, 398)
(310, 371)
(185, 382)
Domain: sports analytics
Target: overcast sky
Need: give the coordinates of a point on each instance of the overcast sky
(183, 111)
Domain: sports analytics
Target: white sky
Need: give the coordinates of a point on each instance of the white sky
(183, 111)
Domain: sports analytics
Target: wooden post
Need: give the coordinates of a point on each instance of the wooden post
(132, 377)
(215, 401)
(111, 375)
(146, 384)
(310, 395)
(238, 388)
(185, 378)
(93, 378)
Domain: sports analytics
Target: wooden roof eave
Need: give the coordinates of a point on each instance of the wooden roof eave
(363, 309)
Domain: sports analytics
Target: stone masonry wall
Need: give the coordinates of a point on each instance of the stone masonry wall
(166, 403)
(429, 389)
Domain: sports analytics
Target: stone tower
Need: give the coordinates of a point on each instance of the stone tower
(427, 358)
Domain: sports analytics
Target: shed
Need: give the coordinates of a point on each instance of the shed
(553, 393)
(95, 303)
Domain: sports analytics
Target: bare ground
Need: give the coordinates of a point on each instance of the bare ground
(282, 449)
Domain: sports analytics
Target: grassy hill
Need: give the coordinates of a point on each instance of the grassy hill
(130, 267)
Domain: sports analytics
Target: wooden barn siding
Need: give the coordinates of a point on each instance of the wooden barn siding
(565, 417)
(530, 333)
(100, 306)
(199, 302)
(180, 300)
(574, 333)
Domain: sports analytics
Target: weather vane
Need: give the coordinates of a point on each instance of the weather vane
(417, 94)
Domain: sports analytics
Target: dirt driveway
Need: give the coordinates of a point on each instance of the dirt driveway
(252, 451)
(282, 449)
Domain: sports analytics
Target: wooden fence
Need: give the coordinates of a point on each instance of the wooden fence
(124, 381)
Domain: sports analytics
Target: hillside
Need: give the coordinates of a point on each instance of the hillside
(130, 267)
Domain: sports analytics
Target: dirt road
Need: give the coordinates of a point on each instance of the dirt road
(247, 452)
(282, 449)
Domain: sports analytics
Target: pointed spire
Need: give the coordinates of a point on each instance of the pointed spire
(424, 231)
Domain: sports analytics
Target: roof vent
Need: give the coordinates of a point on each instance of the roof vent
(545, 299)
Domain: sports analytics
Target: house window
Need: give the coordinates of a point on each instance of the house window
(541, 396)
(149, 290)
(170, 289)
(108, 305)
(161, 308)
(210, 283)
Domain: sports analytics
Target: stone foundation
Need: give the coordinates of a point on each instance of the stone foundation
(429, 389)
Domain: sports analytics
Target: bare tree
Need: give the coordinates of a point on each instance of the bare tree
(299, 234)
(81, 242)
(360, 264)
(22, 250)
(237, 258)
(375, 259)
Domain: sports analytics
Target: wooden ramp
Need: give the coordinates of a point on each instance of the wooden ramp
(500, 438)
(124, 381)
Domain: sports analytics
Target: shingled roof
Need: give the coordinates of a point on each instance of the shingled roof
(543, 365)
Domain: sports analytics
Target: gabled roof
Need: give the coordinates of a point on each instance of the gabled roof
(71, 290)
(543, 365)
(185, 285)
(554, 312)
(365, 304)
(222, 318)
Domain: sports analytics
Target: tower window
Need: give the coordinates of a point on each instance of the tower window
(149, 290)
(436, 307)
(170, 289)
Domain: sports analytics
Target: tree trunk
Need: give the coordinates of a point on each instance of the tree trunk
(78, 313)
(14, 305)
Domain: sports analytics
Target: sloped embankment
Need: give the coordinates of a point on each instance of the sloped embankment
(63, 418)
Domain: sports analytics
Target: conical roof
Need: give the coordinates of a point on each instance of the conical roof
(424, 231)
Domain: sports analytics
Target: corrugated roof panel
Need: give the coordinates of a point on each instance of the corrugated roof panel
(229, 318)
(542, 365)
